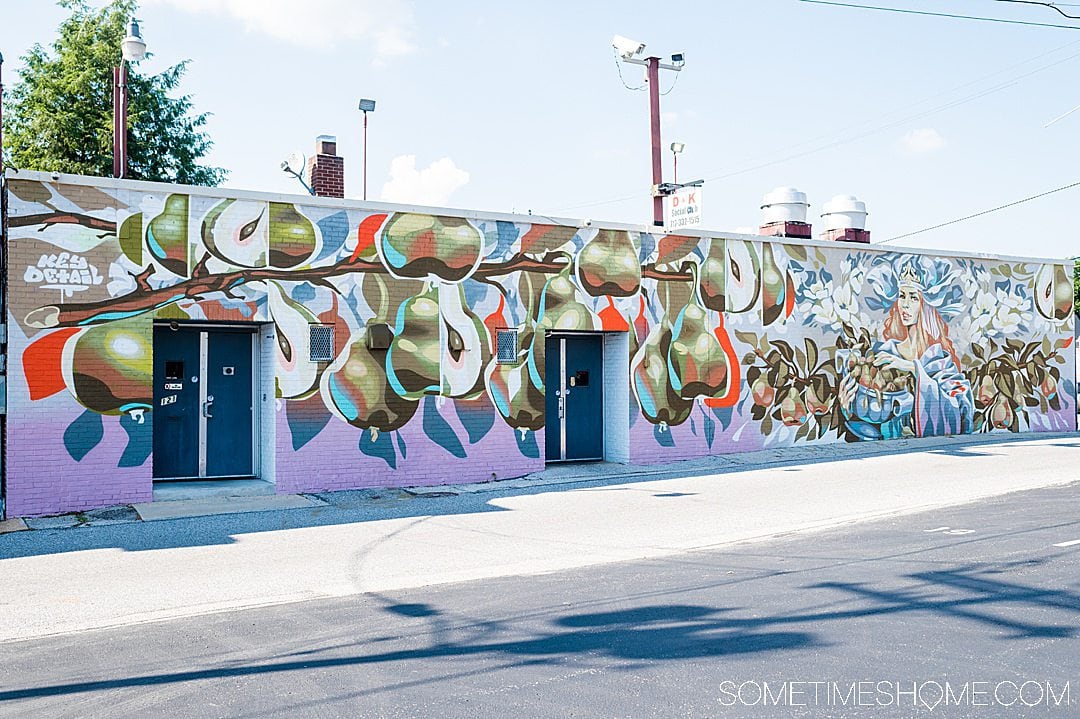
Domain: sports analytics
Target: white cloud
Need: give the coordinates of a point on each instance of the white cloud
(387, 24)
(923, 140)
(432, 185)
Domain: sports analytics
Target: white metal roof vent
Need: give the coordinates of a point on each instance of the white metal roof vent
(784, 204)
(844, 212)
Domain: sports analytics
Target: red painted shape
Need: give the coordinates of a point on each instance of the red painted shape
(611, 319)
(43, 363)
(675, 247)
(789, 300)
(494, 322)
(641, 324)
(731, 397)
(365, 234)
(1068, 342)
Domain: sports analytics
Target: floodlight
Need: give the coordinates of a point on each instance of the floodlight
(367, 105)
(626, 47)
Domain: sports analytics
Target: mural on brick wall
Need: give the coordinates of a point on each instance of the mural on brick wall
(734, 344)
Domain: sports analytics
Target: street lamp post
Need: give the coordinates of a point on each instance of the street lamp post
(628, 50)
(676, 148)
(366, 106)
(133, 49)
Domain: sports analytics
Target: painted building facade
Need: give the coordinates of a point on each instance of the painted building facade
(159, 332)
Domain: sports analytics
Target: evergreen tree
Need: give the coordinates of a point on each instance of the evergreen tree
(59, 118)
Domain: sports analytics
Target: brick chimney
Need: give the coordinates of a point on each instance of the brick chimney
(326, 171)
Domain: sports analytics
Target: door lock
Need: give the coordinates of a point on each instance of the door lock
(207, 406)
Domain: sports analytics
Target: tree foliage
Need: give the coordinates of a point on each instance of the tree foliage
(59, 118)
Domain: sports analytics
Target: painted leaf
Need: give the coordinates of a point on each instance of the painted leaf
(306, 418)
(663, 436)
(381, 445)
(477, 417)
(83, 434)
(526, 442)
(335, 230)
(439, 430)
(140, 440)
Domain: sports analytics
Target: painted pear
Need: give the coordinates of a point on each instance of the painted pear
(697, 363)
(777, 288)
(512, 389)
(421, 246)
(562, 308)
(412, 362)
(237, 232)
(111, 368)
(660, 403)
(296, 376)
(793, 409)
(1053, 292)
(359, 392)
(608, 265)
(293, 238)
(130, 237)
(742, 279)
(713, 275)
(466, 350)
(167, 236)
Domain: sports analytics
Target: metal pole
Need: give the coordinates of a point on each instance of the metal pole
(1, 114)
(365, 157)
(653, 69)
(116, 122)
(123, 118)
(675, 173)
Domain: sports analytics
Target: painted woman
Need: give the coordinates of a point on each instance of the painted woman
(933, 398)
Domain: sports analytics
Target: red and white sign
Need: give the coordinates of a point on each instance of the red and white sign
(682, 209)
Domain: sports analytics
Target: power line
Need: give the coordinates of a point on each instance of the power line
(941, 14)
(980, 214)
(1052, 6)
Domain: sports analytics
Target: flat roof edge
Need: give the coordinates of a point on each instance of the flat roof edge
(354, 204)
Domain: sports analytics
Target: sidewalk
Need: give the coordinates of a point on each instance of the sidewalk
(346, 543)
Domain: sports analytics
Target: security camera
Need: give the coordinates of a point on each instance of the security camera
(626, 47)
(586, 222)
(55, 176)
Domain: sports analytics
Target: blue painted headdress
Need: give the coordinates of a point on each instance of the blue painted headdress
(935, 279)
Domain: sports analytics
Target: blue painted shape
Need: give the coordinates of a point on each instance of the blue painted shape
(663, 437)
(527, 444)
(382, 447)
(708, 426)
(335, 230)
(401, 445)
(306, 418)
(648, 244)
(140, 440)
(723, 415)
(303, 292)
(83, 434)
(508, 234)
(477, 417)
(439, 430)
(693, 427)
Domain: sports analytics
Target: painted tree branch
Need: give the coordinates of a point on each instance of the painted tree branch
(144, 298)
(48, 219)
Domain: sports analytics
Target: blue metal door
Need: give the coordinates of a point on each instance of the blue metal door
(229, 407)
(203, 402)
(176, 403)
(575, 397)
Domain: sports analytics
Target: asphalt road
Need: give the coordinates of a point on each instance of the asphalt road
(969, 611)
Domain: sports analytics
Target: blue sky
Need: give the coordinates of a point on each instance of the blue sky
(519, 107)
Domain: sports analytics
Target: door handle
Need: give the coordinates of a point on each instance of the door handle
(206, 407)
(562, 406)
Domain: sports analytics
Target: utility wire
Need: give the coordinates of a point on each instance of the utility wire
(1052, 6)
(941, 14)
(618, 67)
(980, 214)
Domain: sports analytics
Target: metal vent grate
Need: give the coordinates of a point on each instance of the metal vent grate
(506, 346)
(322, 343)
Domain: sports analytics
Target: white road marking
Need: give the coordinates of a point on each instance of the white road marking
(1068, 544)
(936, 529)
(947, 530)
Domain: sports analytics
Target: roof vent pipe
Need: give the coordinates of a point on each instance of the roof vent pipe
(845, 219)
(784, 213)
